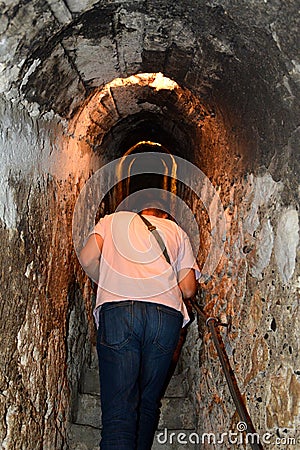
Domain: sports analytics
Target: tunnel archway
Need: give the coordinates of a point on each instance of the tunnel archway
(233, 111)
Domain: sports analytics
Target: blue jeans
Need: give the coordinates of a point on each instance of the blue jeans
(135, 343)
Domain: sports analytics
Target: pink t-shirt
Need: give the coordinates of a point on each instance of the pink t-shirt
(132, 265)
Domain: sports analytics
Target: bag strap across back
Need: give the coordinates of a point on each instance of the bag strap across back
(156, 234)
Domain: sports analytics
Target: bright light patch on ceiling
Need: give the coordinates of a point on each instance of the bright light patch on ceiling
(155, 80)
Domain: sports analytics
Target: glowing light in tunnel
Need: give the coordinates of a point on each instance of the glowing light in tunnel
(82, 127)
(96, 110)
(168, 172)
(135, 146)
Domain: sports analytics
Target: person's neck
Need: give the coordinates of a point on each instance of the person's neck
(148, 212)
(152, 212)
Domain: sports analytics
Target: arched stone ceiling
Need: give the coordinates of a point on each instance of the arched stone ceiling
(238, 58)
(144, 106)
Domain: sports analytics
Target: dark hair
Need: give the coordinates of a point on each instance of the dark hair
(148, 200)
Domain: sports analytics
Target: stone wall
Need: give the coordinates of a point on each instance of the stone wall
(255, 290)
(45, 336)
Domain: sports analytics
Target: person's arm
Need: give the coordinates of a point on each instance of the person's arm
(90, 256)
(187, 282)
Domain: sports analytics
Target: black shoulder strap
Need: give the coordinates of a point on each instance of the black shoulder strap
(156, 234)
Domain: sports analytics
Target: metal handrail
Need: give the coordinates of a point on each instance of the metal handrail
(212, 323)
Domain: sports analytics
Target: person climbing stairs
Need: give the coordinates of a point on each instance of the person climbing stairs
(177, 413)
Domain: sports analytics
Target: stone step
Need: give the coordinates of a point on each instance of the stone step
(83, 437)
(178, 385)
(177, 419)
(90, 383)
(88, 410)
(176, 413)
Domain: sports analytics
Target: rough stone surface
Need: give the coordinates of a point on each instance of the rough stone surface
(287, 240)
(84, 438)
(254, 298)
(177, 411)
(235, 114)
(89, 410)
(44, 339)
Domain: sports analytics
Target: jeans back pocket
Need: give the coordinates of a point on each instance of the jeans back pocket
(168, 331)
(115, 324)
